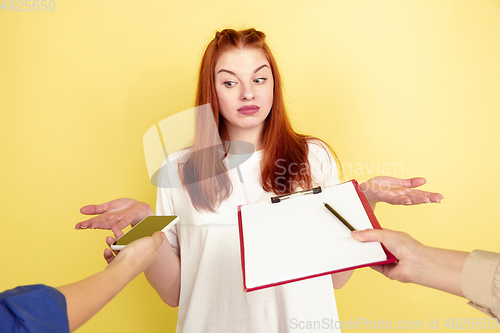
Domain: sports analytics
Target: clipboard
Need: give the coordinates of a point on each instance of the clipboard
(296, 239)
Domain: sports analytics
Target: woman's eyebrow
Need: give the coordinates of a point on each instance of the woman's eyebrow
(259, 68)
(233, 73)
(227, 71)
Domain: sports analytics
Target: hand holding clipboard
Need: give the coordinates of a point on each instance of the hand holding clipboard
(270, 232)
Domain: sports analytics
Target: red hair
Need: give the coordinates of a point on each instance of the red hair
(281, 143)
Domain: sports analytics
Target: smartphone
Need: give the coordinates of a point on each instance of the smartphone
(145, 228)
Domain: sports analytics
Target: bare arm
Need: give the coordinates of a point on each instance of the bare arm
(441, 269)
(163, 274)
(85, 298)
(340, 279)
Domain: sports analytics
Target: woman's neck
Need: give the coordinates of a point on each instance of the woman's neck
(252, 136)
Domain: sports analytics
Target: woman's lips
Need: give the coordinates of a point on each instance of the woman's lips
(248, 110)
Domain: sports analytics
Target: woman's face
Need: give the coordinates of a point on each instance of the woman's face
(244, 84)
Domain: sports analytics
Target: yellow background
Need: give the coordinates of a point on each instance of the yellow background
(412, 86)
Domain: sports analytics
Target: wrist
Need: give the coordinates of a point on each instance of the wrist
(421, 263)
(148, 209)
(439, 269)
(124, 268)
(143, 211)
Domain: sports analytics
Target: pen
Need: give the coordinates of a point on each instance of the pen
(337, 215)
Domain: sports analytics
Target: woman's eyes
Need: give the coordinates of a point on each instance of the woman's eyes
(230, 84)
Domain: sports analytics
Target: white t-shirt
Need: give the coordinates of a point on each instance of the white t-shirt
(212, 298)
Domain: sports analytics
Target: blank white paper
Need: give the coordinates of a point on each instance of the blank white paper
(299, 237)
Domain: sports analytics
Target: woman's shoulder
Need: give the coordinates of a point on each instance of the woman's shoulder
(168, 174)
(178, 156)
(318, 147)
(322, 162)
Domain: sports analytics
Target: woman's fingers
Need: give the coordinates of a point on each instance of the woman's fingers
(122, 223)
(118, 233)
(104, 221)
(108, 256)
(412, 182)
(94, 209)
(110, 240)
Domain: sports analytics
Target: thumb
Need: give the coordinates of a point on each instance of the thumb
(413, 182)
(158, 238)
(368, 235)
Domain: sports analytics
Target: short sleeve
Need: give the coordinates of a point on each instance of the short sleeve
(35, 308)
(323, 165)
(481, 281)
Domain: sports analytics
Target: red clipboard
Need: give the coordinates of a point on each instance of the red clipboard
(253, 230)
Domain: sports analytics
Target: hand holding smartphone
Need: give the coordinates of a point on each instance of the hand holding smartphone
(145, 228)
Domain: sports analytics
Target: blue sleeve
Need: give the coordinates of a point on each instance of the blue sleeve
(36, 308)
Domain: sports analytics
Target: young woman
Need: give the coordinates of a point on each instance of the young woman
(199, 268)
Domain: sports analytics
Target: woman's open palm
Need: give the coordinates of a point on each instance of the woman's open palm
(115, 215)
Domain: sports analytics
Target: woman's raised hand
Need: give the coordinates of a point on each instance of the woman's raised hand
(396, 191)
(115, 215)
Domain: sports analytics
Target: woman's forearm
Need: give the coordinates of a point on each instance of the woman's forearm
(428, 266)
(164, 275)
(340, 279)
(440, 269)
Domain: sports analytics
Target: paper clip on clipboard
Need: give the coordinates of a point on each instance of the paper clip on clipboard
(282, 197)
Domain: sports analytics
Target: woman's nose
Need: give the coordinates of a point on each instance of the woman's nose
(247, 92)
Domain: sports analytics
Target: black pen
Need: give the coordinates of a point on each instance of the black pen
(337, 215)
